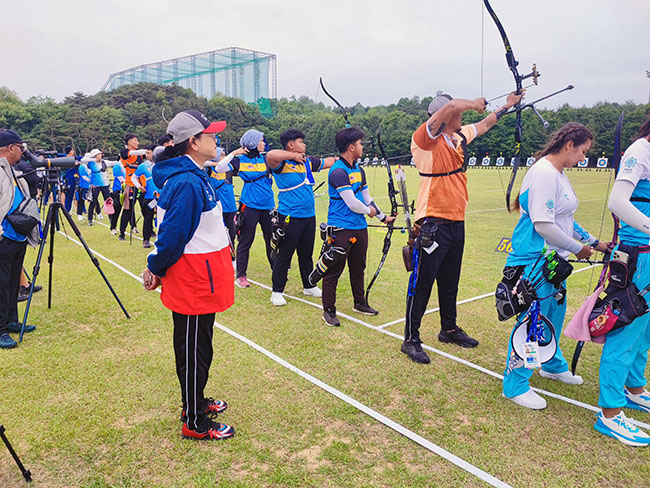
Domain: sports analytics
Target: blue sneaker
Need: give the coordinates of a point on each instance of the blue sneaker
(638, 402)
(6, 342)
(619, 428)
(16, 326)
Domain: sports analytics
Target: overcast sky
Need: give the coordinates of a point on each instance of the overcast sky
(368, 51)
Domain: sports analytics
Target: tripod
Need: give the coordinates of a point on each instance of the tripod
(51, 223)
(26, 473)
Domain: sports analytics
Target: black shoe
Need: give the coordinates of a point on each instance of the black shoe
(121, 238)
(414, 351)
(365, 309)
(330, 318)
(146, 244)
(22, 296)
(457, 336)
(25, 289)
(15, 327)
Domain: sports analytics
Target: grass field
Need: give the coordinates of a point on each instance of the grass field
(91, 399)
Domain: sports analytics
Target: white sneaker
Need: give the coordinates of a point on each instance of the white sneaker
(277, 299)
(619, 428)
(80, 218)
(530, 399)
(100, 217)
(313, 292)
(638, 402)
(565, 377)
(113, 232)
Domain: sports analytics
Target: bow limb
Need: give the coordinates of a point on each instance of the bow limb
(345, 114)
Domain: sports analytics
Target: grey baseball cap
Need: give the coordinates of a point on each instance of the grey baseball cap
(438, 102)
(191, 122)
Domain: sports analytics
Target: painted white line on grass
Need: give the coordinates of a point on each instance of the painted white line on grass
(425, 346)
(467, 300)
(345, 316)
(409, 434)
(400, 429)
(477, 367)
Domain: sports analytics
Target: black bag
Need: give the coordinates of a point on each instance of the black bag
(514, 294)
(22, 219)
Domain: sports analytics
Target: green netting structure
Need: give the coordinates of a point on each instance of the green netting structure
(232, 71)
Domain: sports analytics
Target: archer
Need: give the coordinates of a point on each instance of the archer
(439, 149)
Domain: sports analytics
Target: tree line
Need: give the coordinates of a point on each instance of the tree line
(102, 120)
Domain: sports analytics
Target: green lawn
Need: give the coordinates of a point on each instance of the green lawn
(91, 399)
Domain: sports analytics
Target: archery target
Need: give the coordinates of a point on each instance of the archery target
(583, 163)
(501, 161)
(485, 162)
(602, 163)
(530, 161)
(472, 161)
(547, 346)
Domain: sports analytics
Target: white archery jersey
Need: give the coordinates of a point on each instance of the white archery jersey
(546, 195)
(635, 168)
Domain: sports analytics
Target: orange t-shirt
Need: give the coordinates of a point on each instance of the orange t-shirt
(444, 197)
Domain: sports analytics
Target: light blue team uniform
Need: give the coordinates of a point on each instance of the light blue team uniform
(345, 176)
(144, 169)
(96, 175)
(258, 186)
(295, 183)
(625, 352)
(119, 174)
(546, 196)
(84, 173)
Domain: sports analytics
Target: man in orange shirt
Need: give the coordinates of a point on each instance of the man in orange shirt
(439, 148)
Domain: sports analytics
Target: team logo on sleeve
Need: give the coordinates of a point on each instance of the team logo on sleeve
(550, 204)
(630, 162)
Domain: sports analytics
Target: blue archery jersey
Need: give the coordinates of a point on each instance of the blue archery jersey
(8, 231)
(345, 176)
(96, 177)
(295, 183)
(144, 173)
(70, 177)
(635, 168)
(258, 186)
(222, 184)
(118, 172)
(84, 173)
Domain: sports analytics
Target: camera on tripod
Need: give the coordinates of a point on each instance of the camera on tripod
(47, 161)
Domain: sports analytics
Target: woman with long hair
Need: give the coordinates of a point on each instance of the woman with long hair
(547, 204)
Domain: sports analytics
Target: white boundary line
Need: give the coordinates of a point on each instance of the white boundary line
(468, 300)
(444, 354)
(400, 429)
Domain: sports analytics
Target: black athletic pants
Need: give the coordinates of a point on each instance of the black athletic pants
(117, 205)
(356, 258)
(251, 217)
(443, 267)
(229, 220)
(94, 205)
(81, 200)
(12, 254)
(193, 351)
(299, 235)
(147, 217)
(128, 215)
